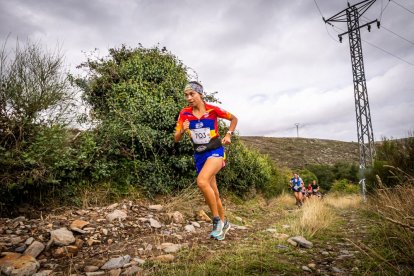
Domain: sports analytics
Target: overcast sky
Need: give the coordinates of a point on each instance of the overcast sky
(274, 63)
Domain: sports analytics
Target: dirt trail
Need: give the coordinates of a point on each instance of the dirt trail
(154, 240)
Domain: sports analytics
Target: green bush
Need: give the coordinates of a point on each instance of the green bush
(248, 170)
(36, 103)
(328, 174)
(307, 176)
(344, 186)
(394, 160)
(136, 94)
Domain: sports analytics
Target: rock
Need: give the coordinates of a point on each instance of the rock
(154, 223)
(43, 273)
(62, 236)
(15, 240)
(281, 246)
(105, 232)
(325, 253)
(271, 230)
(79, 243)
(115, 272)
(112, 206)
(116, 214)
(66, 251)
(177, 217)
(90, 268)
(189, 228)
(201, 215)
(92, 241)
(17, 264)
(156, 207)
(35, 249)
(292, 242)
(29, 241)
(139, 261)
(21, 249)
(238, 227)
(96, 273)
(133, 270)
(312, 266)
(239, 219)
(116, 262)
(301, 241)
(173, 248)
(307, 269)
(81, 212)
(164, 258)
(78, 224)
(336, 270)
(195, 224)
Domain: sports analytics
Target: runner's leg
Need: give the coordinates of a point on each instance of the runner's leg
(204, 178)
(213, 185)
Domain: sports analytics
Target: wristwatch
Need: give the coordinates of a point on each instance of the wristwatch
(230, 132)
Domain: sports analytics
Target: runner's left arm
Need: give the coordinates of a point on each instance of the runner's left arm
(221, 113)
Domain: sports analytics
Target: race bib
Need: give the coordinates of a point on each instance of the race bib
(200, 135)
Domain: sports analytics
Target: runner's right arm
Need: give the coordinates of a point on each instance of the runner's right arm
(180, 129)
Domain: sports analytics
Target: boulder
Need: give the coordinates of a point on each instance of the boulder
(17, 264)
(62, 236)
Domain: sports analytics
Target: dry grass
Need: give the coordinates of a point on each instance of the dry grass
(396, 205)
(187, 200)
(283, 200)
(343, 202)
(314, 216)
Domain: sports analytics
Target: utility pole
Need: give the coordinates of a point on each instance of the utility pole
(351, 16)
(297, 130)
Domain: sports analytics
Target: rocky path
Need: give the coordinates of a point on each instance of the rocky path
(121, 239)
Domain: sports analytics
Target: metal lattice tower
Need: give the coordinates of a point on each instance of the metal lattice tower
(351, 16)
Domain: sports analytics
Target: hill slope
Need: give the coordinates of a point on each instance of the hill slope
(298, 152)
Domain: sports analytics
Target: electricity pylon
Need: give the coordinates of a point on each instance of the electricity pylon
(351, 16)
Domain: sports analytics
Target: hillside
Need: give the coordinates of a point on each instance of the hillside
(298, 152)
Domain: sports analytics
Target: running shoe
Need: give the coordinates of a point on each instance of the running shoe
(226, 228)
(217, 228)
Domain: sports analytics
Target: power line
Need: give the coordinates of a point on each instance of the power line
(400, 36)
(383, 9)
(385, 51)
(401, 6)
(317, 6)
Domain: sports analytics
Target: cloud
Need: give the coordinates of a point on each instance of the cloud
(274, 63)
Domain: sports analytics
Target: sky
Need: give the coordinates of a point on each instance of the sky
(275, 64)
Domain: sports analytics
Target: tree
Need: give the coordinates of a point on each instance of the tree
(35, 103)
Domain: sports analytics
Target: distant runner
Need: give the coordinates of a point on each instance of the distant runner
(199, 121)
(315, 188)
(296, 185)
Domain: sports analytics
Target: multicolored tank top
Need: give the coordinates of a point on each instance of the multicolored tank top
(203, 129)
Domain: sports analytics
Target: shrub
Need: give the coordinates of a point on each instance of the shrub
(394, 160)
(248, 169)
(327, 174)
(136, 95)
(344, 186)
(36, 104)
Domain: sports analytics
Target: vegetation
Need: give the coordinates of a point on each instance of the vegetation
(344, 186)
(328, 175)
(393, 162)
(36, 104)
(134, 96)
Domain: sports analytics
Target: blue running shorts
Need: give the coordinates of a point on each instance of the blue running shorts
(201, 158)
